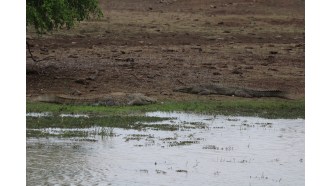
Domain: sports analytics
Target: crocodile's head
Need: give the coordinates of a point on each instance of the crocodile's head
(140, 99)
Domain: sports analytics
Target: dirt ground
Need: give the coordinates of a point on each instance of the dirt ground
(154, 46)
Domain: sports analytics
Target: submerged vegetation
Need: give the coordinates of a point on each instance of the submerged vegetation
(126, 122)
(132, 117)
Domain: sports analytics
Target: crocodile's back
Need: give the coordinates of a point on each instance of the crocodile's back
(208, 89)
(64, 99)
(106, 100)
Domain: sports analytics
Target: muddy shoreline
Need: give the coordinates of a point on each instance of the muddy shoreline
(153, 48)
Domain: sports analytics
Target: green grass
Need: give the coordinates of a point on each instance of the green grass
(130, 117)
(266, 108)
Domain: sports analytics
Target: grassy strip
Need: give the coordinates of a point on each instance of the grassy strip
(267, 108)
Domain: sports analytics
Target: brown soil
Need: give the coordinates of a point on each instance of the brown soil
(154, 46)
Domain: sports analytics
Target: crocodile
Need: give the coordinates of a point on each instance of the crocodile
(208, 89)
(113, 99)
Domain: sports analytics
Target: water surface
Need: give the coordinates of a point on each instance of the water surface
(206, 150)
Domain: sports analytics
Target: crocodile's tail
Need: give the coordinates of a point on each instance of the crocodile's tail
(269, 93)
(59, 99)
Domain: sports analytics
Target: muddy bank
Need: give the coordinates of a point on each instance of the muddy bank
(153, 48)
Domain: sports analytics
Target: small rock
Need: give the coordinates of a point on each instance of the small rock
(81, 81)
(165, 93)
(44, 49)
(92, 77)
(81, 36)
(273, 69)
(44, 53)
(270, 58)
(273, 52)
(197, 48)
(150, 76)
(216, 73)
(236, 71)
(213, 6)
(287, 49)
(72, 56)
(31, 71)
(75, 92)
(249, 67)
(29, 37)
(125, 59)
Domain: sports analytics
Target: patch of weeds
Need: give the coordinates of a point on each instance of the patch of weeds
(247, 125)
(180, 143)
(105, 132)
(141, 135)
(86, 139)
(138, 137)
(211, 147)
(269, 125)
(70, 134)
(168, 139)
(234, 119)
(144, 171)
(165, 127)
(160, 171)
(127, 139)
(62, 134)
(126, 122)
(194, 125)
(37, 134)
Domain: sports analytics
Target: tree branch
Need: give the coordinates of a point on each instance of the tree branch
(35, 60)
(29, 49)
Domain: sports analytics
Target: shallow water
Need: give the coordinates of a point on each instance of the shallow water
(47, 114)
(38, 114)
(207, 150)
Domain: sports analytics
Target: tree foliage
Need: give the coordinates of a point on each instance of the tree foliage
(48, 15)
